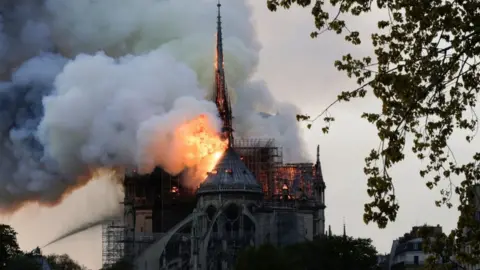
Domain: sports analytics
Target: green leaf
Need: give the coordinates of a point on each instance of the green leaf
(424, 73)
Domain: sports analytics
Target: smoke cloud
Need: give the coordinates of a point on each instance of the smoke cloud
(91, 84)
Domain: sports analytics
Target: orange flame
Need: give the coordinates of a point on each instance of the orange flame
(204, 147)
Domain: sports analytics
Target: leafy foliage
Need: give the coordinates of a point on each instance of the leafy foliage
(264, 258)
(12, 258)
(23, 262)
(63, 262)
(8, 245)
(120, 265)
(337, 253)
(427, 78)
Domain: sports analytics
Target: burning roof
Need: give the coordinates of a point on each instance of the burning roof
(230, 175)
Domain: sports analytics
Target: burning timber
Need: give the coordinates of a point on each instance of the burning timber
(156, 202)
(248, 198)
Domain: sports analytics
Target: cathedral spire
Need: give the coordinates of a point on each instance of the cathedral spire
(318, 167)
(221, 94)
(219, 40)
(344, 228)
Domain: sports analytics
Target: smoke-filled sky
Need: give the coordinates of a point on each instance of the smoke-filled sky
(99, 110)
(93, 84)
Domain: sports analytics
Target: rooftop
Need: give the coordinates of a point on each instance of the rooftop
(230, 175)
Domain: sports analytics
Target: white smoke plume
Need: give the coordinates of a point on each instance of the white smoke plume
(93, 83)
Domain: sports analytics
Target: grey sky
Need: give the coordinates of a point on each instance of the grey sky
(299, 70)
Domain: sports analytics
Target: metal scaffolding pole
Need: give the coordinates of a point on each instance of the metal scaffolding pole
(113, 244)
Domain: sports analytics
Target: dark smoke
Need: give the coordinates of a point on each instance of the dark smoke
(23, 33)
(23, 163)
(100, 84)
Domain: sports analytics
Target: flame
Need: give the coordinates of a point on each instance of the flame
(203, 145)
(213, 160)
(201, 139)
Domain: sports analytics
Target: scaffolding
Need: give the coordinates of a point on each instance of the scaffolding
(297, 178)
(160, 200)
(113, 242)
(162, 194)
(166, 202)
(263, 158)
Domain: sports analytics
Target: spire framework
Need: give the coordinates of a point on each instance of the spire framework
(221, 94)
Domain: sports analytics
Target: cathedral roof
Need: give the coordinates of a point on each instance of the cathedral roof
(230, 175)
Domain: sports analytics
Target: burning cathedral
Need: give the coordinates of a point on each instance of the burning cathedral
(250, 198)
